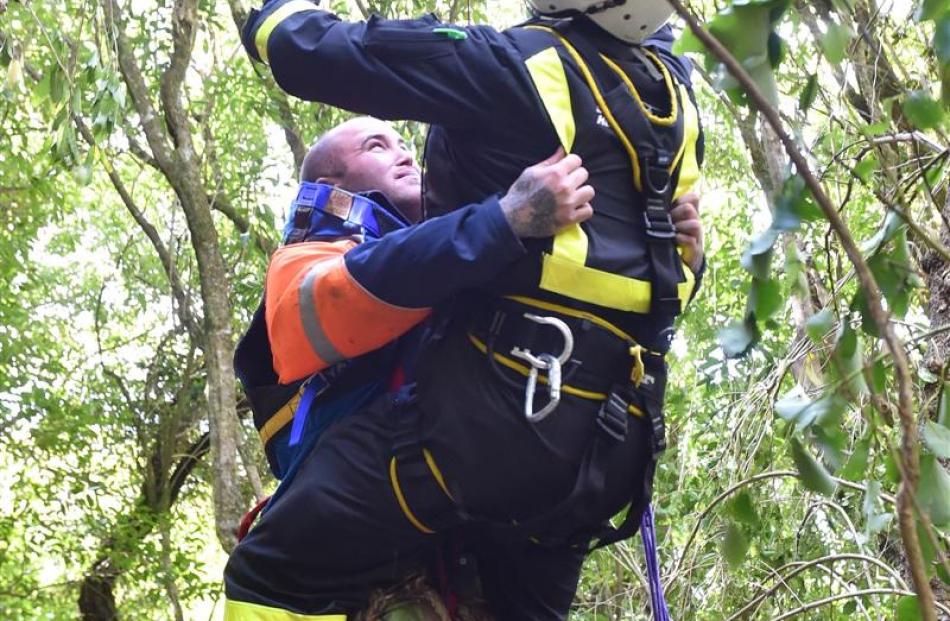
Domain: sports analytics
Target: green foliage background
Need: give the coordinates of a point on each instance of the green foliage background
(783, 465)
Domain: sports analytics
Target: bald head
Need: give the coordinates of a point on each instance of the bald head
(323, 160)
(365, 154)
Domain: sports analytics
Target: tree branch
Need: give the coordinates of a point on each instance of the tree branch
(910, 440)
(182, 302)
(184, 17)
(135, 82)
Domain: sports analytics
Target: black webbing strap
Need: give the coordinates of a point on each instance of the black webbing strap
(654, 163)
(650, 401)
(418, 487)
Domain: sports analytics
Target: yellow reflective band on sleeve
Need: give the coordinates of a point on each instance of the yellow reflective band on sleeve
(689, 166)
(565, 388)
(547, 73)
(280, 418)
(394, 479)
(245, 611)
(274, 19)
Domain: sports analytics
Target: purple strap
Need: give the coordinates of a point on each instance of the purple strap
(657, 599)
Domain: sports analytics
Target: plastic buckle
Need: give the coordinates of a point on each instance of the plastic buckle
(659, 222)
(612, 417)
(657, 427)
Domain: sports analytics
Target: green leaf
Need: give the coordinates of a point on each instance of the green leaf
(820, 324)
(937, 439)
(765, 298)
(889, 228)
(834, 42)
(735, 545)
(849, 360)
(879, 377)
(743, 510)
(757, 258)
(831, 440)
(803, 413)
(813, 474)
(737, 339)
(943, 409)
(874, 522)
(923, 111)
(908, 608)
(942, 39)
(931, 9)
(857, 464)
(807, 97)
(876, 129)
(934, 490)
(866, 167)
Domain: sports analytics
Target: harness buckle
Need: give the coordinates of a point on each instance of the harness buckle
(659, 222)
(612, 416)
(545, 362)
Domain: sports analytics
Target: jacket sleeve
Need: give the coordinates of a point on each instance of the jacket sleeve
(418, 69)
(330, 301)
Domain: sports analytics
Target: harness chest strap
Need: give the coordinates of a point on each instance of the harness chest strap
(564, 269)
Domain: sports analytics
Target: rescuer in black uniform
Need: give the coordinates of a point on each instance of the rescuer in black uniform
(537, 410)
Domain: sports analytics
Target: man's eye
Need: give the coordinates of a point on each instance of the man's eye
(376, 146)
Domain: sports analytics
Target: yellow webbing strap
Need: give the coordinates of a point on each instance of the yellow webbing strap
(280, 418)
(566, 388)
(686, 159)
(547, 73)
(599, 98)
(274, 19)
(401, 499)
(245, 611)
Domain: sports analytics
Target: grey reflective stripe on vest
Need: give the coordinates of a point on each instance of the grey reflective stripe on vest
(319, 342)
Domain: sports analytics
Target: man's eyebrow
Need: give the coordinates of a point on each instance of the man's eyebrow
(373, 137)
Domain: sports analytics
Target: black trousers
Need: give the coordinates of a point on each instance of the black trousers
(354, 520)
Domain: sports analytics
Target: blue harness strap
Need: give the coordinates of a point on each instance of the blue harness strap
(315, 386)
(322, 211)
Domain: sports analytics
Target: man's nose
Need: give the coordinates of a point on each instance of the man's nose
(404, 157)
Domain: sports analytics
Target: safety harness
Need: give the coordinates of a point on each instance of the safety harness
(319, 212)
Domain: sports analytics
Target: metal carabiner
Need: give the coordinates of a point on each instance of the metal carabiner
(545, 362)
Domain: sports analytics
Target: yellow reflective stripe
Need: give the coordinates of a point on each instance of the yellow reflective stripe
(245, 611)
(689, 167)
(571, 244)
(436, 473)
(667, 121)
(547, 73)
(685, 288)
(595, 91)
(587, 284)
(566, 388)
(280, 418)
(273, 20)
(394, 479)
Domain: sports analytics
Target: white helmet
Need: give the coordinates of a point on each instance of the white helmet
(628, 20)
